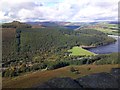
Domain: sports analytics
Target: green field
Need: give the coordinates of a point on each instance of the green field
(108, 31)
(107, 28)
(78, 51)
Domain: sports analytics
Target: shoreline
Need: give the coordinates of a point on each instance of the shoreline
(107, 48)
(87, 47)
(90, 47)
(114, 36)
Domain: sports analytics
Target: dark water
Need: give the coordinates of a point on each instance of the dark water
(72, 27)
(107, 48)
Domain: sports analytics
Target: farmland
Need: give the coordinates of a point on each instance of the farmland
(106, 28)
(108, 31)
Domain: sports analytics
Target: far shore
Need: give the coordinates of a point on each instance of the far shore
(89, 47)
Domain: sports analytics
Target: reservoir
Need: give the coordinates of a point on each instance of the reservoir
(72, 27)
(114, 47)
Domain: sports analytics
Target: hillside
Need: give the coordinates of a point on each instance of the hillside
(97, 80)
(34, 78)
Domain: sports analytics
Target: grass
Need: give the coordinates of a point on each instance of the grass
(107, 30)
(38, 77)
(78, 51)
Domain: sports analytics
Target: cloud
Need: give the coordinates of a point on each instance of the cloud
(60, 10)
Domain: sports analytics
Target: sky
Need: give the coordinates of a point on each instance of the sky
(58, 10)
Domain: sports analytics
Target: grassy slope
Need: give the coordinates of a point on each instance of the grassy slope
(107, 31)
(30, 79)
(78, 51)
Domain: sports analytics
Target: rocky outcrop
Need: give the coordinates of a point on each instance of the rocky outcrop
(60, 83)
(98, 80)
(116, 73)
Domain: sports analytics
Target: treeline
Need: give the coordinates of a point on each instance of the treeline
(101, 59)
(12, 71)
(94, 37)
(108, 59)
(47, 38)
(50, 65)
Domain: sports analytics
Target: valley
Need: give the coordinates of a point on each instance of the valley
(45, 52)
(52, 44)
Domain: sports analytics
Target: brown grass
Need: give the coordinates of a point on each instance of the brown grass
(8, 33)
(38, 77)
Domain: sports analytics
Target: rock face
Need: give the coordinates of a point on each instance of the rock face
(60, 83)
(98, 80)
(116, 73)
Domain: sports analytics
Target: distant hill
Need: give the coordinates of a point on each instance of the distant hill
(44, 24)
(16, 24)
